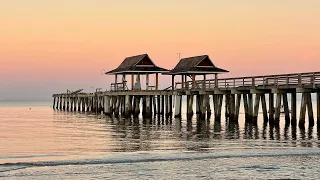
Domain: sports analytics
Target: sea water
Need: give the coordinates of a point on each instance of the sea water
(37, 142)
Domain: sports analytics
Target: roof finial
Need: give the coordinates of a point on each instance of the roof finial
(179, 54)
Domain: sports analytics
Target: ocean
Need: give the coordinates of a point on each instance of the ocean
(37, 142)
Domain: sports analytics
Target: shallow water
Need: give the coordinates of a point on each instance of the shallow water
(37, 142)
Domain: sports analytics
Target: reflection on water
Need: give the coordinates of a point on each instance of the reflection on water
(43, 131)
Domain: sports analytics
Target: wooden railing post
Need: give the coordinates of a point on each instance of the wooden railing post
(242, 82)
(299, 79)
(287, 80)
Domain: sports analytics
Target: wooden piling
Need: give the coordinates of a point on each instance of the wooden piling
(303, 109)
(137, 106)
(250, 106)
(177, 113)
(293, 108)
(237, 107)
(286, 108)
(159, 104)
(166, 105)
(198, 104)
(271, 107)
(154, 102)
(277, 109)
(246, 107)
(162, 105)
(189, 105)
(148, 107)
(264, 108)
(256, 109)
(170, 105)
(310, 110)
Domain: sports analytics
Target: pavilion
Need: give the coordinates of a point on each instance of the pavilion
(136, 65)
(192, 66)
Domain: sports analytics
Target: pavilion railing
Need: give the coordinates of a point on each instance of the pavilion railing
(283, 80)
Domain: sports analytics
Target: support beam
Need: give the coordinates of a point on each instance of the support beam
(107, 105)
(54, 103)
(162, 105)
(172, 83)
(154, 101)
(198, 104)
(166, 105)
(250, 105)
(159, 104)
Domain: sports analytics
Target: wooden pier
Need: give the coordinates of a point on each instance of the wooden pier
(252, 91)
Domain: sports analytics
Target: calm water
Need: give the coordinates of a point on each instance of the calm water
(39, 143)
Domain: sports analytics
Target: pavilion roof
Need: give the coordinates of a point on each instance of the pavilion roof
(139, 64)
(196, 65)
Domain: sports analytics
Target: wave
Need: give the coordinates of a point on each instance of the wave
(151, 157)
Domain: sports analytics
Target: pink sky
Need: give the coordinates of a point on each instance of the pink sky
(48, 47)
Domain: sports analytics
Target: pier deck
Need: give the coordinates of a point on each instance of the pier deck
(160, 102)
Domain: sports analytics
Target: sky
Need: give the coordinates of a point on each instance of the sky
(48, 47)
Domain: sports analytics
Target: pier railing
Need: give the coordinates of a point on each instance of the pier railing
(283, 80)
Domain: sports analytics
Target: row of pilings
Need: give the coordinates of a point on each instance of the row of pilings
(150, 105)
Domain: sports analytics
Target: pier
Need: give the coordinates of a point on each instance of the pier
(253, 92)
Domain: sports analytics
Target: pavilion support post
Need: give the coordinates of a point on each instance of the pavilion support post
(256, 109)
(277, 109)
(182, 81)
(303, 109)
(310, 110)
(318, 109)
(132, 81)
(237, 108)
(115, 81)
(198, 104)
(264, 108)
(204, 82)
(147, 81)
(172, 83)
(157, 81)
(294, 108)
(189, 105)
(286, 108)
(271, 107)
(177, 113)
